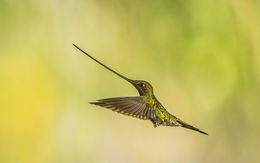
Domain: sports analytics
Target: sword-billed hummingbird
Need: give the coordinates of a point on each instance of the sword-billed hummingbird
(145, 106)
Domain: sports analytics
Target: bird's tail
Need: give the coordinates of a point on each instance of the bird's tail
(185, 125)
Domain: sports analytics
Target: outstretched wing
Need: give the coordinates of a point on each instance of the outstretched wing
(132, 106)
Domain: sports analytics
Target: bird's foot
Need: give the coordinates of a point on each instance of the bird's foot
(156, 124)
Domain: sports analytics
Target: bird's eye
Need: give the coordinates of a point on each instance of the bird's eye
(142, 85)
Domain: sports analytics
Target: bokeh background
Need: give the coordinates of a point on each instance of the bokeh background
(202, 58)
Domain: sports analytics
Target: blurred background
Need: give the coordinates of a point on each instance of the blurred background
(202, 58)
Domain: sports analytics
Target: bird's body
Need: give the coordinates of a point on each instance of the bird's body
(145, 106)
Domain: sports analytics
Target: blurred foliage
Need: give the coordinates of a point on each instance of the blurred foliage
(202, 57)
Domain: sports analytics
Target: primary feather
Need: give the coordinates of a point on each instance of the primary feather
(132, 106)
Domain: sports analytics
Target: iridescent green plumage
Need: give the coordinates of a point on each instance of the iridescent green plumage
(145, 106)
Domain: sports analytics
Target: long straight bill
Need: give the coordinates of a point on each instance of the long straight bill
(102, 64)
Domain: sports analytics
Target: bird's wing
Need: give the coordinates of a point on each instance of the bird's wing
(132, 106)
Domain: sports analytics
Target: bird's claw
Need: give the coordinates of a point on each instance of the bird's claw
(156, 124)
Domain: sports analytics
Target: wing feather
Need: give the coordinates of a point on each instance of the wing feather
(134, 106)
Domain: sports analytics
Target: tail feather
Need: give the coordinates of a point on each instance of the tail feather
(185, 125)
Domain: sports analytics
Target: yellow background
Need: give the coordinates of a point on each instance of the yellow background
(202, 58)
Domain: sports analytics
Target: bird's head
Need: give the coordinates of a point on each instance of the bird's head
(144, 88)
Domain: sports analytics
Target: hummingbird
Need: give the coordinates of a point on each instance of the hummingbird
(145, 106)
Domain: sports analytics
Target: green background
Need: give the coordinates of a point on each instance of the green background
(202, 58)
